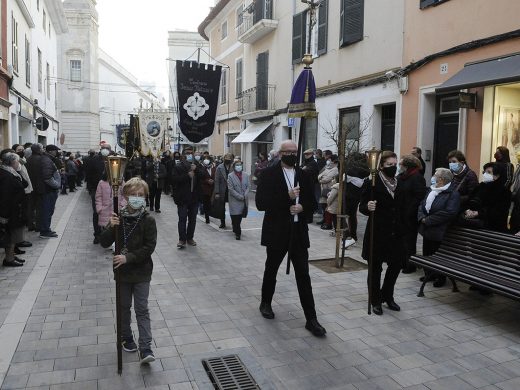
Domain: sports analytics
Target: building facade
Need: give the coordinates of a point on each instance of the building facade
(5, 77)
(183, 45)
(481, 61)
(34, 29)
(356, 45)
(120, 95)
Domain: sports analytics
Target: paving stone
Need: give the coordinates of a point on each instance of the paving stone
(50, 378)
(15, 382)
(88, 385)
(166, 377)
(75, 362)
(31, 367)
(412, 377)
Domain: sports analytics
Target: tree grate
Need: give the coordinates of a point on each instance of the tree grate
(228, 372)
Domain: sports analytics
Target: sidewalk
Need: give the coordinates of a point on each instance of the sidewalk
(58, 319)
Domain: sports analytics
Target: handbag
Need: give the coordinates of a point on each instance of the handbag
(245, 210)
(218, 208)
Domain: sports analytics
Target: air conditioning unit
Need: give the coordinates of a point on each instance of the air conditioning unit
(10, 70)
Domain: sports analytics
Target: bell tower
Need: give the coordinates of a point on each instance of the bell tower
(78, 77)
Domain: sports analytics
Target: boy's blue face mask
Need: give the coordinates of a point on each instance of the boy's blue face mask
(136, 202)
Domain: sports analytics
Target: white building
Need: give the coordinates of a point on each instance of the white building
(33, 31)
(120, 95)
(183, 45)
(96, 92)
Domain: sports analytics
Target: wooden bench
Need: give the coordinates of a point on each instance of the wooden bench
(482, 258)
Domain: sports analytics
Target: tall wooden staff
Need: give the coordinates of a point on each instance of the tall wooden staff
(373, 156)
(340, 214)
(115, 169)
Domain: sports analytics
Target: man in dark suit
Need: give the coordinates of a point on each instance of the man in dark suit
(286, 194)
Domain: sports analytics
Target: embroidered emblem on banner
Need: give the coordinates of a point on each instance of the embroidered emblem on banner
(196, 106)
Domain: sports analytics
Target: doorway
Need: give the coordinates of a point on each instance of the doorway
(446, 130)
(388, 127)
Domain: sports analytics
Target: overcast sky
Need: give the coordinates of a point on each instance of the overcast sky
(135, 33)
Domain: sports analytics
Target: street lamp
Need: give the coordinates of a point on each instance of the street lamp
(373, 156)
(115, 169)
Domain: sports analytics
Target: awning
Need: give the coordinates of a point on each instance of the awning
(252, 132)
(490, 72)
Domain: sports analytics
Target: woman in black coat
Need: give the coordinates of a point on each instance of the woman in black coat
(438, 209)
(12, 194)
(389, 244)
(412, 189)
(489, 204)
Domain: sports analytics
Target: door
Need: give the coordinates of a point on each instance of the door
(388, 127)
(446, 136)
(262, 76)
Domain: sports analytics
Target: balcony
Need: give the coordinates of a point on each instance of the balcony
(257, 22)
(257, 102)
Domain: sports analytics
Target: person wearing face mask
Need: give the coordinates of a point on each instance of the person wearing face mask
(488, 206)
(52, 180)
(437, 211)
(220, 193)
(326, 180)
(208, 185)
(94, 169)
(465, 180)
(286, 194)
(413, 188)
(272, 158)
(138, 237)
(389, 244)
(504, 165)
(187, 178)
(238, 187)
(12, 195)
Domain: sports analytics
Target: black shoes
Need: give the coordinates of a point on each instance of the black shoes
(315, 328)
(207, 220)
(18, 251)
(147, 356)
(377, 310)
(158, 211)
(326, 226)
(440, 281)
(266, 310)
(237, 236)
(13, 263)
(393, 306)
(96, 240)
(50, 234)
(24, 244)
(129, 345)
(222, 226)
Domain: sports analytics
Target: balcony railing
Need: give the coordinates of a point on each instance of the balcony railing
(257, 101)
(257, 21)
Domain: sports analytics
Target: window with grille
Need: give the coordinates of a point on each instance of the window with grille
(48, 82)
(14, 42)
(239, 77)
(27, 62)
(40, 71)
(75, 70)
(223, 87)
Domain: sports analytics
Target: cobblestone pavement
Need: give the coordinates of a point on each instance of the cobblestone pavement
(57, 316)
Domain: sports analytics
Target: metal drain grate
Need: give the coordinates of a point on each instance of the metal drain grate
(228, 372)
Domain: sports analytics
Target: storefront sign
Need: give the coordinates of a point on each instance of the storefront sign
(26, 109)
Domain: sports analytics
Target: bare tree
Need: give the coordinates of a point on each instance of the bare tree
(356, 128)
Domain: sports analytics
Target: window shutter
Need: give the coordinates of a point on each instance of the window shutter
(352, 20)
(259, 11)
(299, 33)
(323, 27)
(262, 77)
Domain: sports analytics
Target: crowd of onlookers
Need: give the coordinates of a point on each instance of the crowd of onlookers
(31, 176)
